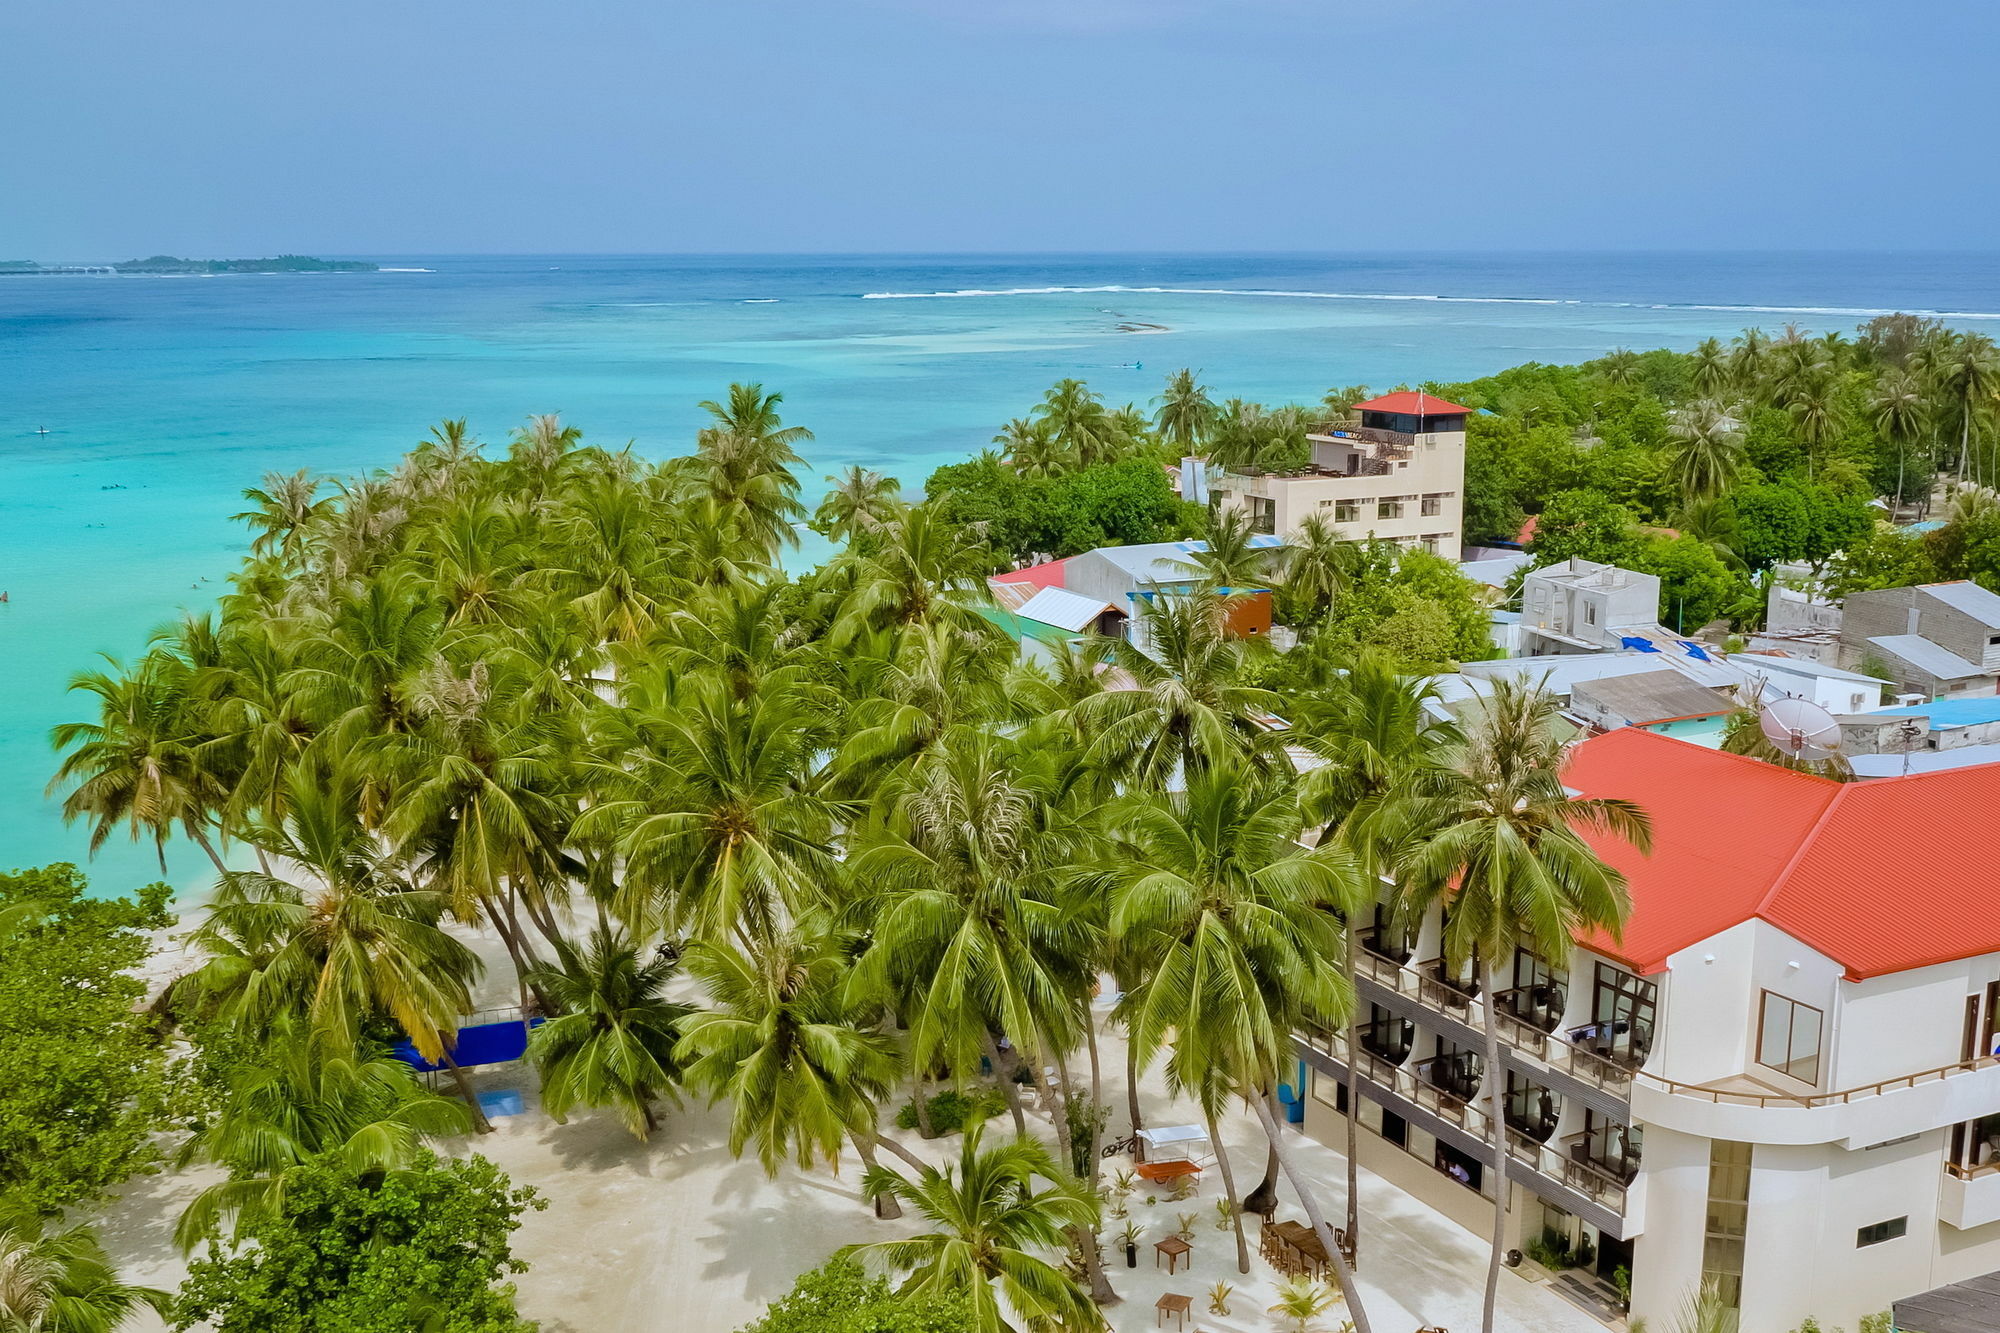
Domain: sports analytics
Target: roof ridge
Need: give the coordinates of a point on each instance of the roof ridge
(1841, 789)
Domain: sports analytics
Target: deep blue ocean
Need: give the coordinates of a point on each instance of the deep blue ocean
(164, 397)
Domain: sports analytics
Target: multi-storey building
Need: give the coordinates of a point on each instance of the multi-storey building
(1397, 472)
(1779, 1077)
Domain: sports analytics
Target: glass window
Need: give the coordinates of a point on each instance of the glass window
(1881, 1231)
(1788, 1037)
(1728, 1218)
(1347, 511)
(1433, 506)
(1389, 506)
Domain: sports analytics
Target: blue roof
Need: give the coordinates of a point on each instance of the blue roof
(1947, 713)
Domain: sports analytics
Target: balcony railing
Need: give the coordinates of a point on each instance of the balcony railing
(1439, 987)
(1729, 1097)
(1386, 943)
(1539, 1006)
(1605, 1150)
(1384, 443)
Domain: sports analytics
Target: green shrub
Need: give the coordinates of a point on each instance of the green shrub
(950, 1109)
(839, 1297)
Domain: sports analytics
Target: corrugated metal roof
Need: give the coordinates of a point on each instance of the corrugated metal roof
(1048, 574)
(1735, 838)
(1963, 1307)
(1923, 761)
(1947, 713)
(1968, 597)
(1171, 562)
(1059, 606)
(1921, 653)
(1800, 666)
(1653, 696)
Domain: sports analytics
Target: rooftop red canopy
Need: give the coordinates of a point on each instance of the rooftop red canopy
(1410, 403)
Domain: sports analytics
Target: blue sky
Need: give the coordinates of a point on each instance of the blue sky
(228, 128)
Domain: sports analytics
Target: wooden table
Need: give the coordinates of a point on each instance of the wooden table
(1304, 1242)
(1174, 1248)
(1177, 1306)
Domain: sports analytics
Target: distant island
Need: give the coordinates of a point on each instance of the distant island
(169, 264)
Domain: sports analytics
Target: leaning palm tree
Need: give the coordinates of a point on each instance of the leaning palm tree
(62, 1281)
(304, 1095)
(791, 1053)
(995, 1214)
(1502, 845)
(286, 507)
(145, 762)
(611, 1042)
(1229, 927)
(1704, 452)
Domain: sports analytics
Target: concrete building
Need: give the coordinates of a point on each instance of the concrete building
(1581, 606)
(1938, 639)
(1397, 472)
(1833, 688)
(1779, 1077)
(1947, 724)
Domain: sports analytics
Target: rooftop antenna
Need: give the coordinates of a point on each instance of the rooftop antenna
(1799, 729)
(1908, 731)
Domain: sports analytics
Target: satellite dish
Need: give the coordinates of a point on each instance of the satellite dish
(1800, 729)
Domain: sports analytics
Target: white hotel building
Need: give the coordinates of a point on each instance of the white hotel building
(1780, 1077)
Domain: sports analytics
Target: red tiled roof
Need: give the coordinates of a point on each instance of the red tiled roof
(1410, 403)
(1046, 575)
(1881, 876)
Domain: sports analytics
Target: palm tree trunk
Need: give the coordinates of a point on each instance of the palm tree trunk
(1008, 1088)
(479, 1120)
(922, 1102)
(1353, 1103)
(1132, 1094)
(209, 847)
(1496, 1107)
(1101, 1291)
(1229, 1189)
(909, 1158)
(885, 1205)
(518, 953)
(1341, 1272)
(1096, 1073)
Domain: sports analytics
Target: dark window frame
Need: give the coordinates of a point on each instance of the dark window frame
(1879, 1233)
(1764, 1000)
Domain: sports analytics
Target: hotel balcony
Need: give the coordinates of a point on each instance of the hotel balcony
(1530, 1013)
(1448, 1087)
(1971, 1195)
(1607, 1153)
(1441, 988)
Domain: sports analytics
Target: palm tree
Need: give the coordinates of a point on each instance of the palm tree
(1186, 706)
(1230, 558)
(1967, 372)
(1316, 562)
(302, 1096)
(1502, 845)
(925, 568)
(1704, 452)
(861, 502)
(1814, 404)
(350, 942)
(1900, 410)
(746, 460)
(287, 505)
(611, 1042)
(1708, 367)
(1229, 927)
(990, 1221)
(146, 762)
(1186, 413)
(787, 1048)
(62, 1281)
(1078, 423)
(710, 800)
(1031, 449)
(1302, 1300)
(1619, 366)
(1376, 742)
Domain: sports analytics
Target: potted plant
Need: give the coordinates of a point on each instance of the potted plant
(1128, 1236)
(1218, 1298)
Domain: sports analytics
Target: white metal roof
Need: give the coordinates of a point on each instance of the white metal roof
(1063, 609)
(1969, 598)
(1921, 653)
(1170, 562)
(1799, 666)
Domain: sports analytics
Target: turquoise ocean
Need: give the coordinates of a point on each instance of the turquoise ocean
(162, 398)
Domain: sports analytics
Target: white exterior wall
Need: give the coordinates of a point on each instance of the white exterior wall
(1819, 1174)
(1436, 467)
(1832, 694)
